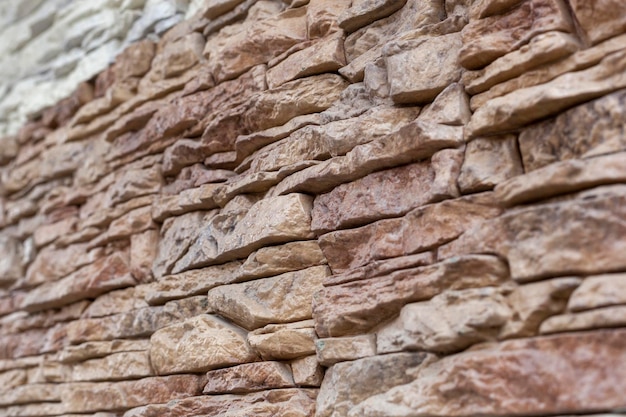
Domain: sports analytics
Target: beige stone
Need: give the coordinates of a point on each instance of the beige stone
(343, 386)
(257, 303)
(198, 344)
(13, 378)
(599, 291)
(236, 235)
(91, 350)
(143, 251)
(592, 362)
(418, 74)
(307, 372)
(421, 229)
(614, 316)
(90, 281)
(486, 39)
(488, 162)
(249, 377)
(358, 306)
(322, 16)
(387, 193)
(284, 341)
(600, 19)
(530, 104)
(363, 12)
(91, 396)
(193, 199)
(46, 267)
(562, 178)
(541, 50)
(118, 301)
(449, 322)
(326, 55)
(485, 8)
(117, 366)
(31, 393)
(542, 241)
(533, 303)
(11, 264)
(271, 403)
(451, 107)
(332, 350)
(590, 129)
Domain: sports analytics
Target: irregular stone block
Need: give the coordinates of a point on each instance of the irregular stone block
(92, 396)
(363, 12)
(590, 129)
(544, 240)
(307, 372)
(484, 8)
(343, 386)
(593, 363)
(194, 199)
(278, 402)
(614, 316)
(90, 350)
(117, 366)
(449, 322)
(599, 291)
(486, 39)
(46, 267)
(562, 178)
(421, 229)
(198, 344)
(388, 193)
(340, 349)
(489, 162)
(418, 74)
(249, 377)
(234, 235)
(358, 306)
(284, 341)
(321, 16)
(326, 55)
(90, 281)
(11, 262)
(600, 19)
(257, 303)
(31, 393)
(530, 104)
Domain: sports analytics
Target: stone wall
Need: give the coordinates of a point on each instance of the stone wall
(326, 208)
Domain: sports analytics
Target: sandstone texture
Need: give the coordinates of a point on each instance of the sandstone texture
(312, 208)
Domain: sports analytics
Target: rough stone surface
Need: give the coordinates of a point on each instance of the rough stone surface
(598, 291)
(340, 349)
(249, 377)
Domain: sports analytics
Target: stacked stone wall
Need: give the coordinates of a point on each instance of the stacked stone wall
(326, 208)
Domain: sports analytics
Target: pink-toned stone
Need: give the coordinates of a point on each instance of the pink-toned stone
(284, 341)
(600, 19)
(322, 16)
(421, 229)
(307, 372)
(117, 366)
(363, 12)
(329, 351)
(249, 377)
(358, 306)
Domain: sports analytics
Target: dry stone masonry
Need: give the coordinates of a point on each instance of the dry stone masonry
(313, 208)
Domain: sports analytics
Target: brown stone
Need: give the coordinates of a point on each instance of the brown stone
(90, 281)
(599, 291)
(273, 403)
(236, 235)
(387, 193)
(325, 55)
(284, 341)
(417, 73)
(119, 301)
(591, 362)
(257, 303)
(179, 55)
(590, 129)
(329, 351)
(193, 199)
(249, 377)
(488, 162)
(363, 12)
(358, 306)
(343, 386)
(484, 8)
(321, 16)
(600, 19)
(117, 366)
(307, 372)
(90, 396)
(563, 177)
(421, 229)
(530, 104)
(90, 350)
(46, 267)
(486, 39)
(542, 241)
(198, 344)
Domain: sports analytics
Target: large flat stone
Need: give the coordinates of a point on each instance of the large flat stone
(249, 377)
(421, 229)
(236, 235)
(580, 371)
(358, 306)
(599, 291)
(117, 366)
(363, 12)
(284, 341)
(614, 316)
(544, 240)
(257, 303)
(91, 350)
(198, 344)
(486, 39)
(387, 193)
